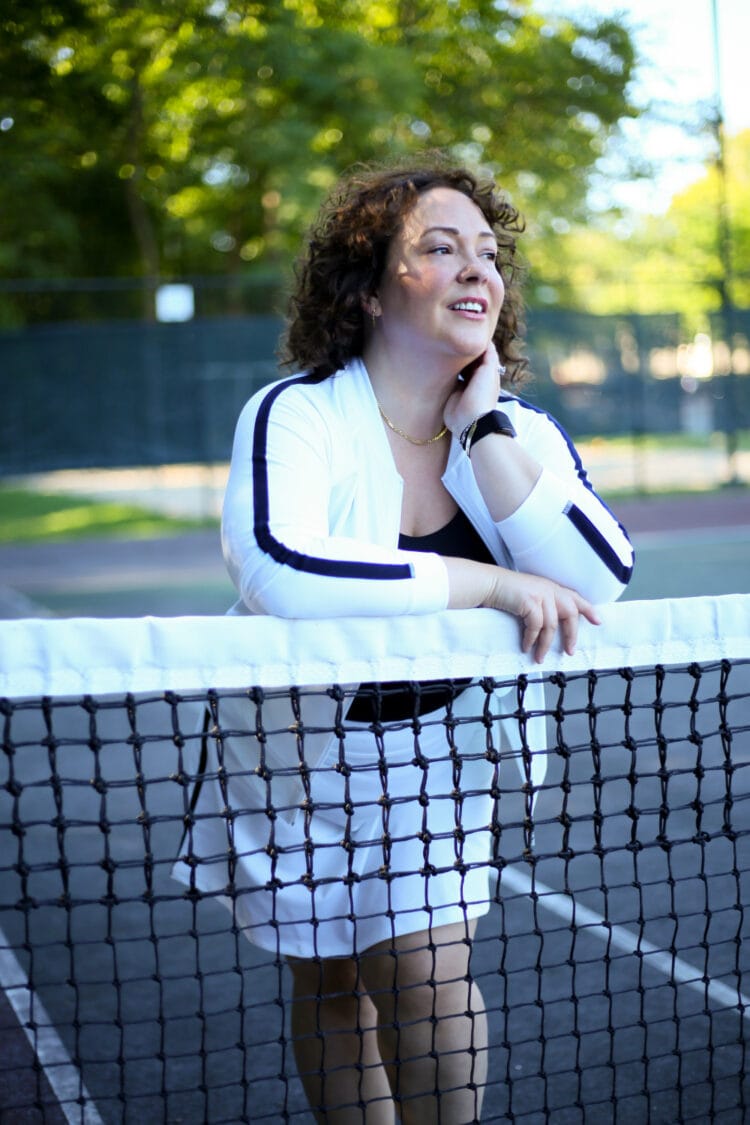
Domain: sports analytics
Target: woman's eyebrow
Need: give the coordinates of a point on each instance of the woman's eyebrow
(457, 232)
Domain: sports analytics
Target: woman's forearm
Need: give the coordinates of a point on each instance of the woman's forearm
(505, 473)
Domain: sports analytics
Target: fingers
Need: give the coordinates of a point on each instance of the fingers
(589, 612)
(569, 633)
(539, 627)
(543, 607)
(554, 608)
(477, 393)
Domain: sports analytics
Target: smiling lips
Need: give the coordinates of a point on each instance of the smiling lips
(471, 305)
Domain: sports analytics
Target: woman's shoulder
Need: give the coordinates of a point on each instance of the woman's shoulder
(540, 432)
(306, 398)
(312, 390)
(524, 412)
(518, 409)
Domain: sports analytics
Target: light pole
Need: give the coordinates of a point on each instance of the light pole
(724, 246)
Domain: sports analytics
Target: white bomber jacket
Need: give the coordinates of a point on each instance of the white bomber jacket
(310, 529)
(312, 509)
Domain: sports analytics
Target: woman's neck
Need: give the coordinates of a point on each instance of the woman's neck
(411, 393)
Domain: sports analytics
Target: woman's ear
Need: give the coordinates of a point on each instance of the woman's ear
(372, 306)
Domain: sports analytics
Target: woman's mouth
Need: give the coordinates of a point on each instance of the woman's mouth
(473, 305)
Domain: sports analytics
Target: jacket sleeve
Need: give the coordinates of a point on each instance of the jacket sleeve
(276, 535)
(563, 530)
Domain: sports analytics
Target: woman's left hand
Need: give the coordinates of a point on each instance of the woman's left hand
(476, 394)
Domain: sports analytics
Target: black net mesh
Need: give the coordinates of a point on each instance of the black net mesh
(605, 982)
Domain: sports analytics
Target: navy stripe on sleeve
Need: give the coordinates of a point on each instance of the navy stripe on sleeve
(580, 521)
(598, 544)
(332, 568)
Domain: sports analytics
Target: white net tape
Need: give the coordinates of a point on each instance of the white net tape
(99, 656)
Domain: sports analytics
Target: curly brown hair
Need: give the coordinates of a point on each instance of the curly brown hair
(345, 254)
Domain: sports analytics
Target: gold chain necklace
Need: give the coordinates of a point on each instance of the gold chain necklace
(401, 433)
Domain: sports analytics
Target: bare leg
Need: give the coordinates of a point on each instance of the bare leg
(336, 1044)
(432, 1024)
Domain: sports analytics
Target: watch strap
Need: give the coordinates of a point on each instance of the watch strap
(494, 422)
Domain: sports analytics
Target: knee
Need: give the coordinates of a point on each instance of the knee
(329, 978)
(414, 997)
(431, 1000)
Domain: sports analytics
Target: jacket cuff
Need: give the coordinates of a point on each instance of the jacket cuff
(429, 588)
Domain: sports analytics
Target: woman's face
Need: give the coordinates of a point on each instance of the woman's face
(440, 294)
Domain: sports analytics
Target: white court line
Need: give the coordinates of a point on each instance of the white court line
(59, 1069)
(568, 910)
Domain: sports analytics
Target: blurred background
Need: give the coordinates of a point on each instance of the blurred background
(162, 160)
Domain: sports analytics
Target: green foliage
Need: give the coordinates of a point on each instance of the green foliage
(662, 263)
(167, 139)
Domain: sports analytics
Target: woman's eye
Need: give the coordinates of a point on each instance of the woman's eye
(491, 255)
(440, 250)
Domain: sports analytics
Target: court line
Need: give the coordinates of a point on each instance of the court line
(568, 910)
(60, 1071)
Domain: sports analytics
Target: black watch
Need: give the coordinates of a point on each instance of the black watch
(493, 423)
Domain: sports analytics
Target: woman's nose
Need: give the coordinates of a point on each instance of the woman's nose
(475, 268)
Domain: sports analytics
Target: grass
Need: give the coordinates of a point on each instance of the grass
(40, 517)
(657, 442)
(30, 517)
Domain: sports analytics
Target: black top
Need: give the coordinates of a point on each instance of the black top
(459, 539)
(391, 702)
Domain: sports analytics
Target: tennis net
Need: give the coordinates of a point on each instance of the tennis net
(606, 796)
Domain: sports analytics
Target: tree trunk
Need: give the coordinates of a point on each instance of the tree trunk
(140, 219)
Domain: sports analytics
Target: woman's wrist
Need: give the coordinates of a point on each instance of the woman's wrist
(459, 422)
(471, 584)
(465, 434)
(490, 422)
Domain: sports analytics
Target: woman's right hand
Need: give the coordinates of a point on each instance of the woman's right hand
(543, 606)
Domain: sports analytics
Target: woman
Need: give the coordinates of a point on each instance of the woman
(397, 473)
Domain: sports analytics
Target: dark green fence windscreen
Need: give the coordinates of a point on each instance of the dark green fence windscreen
(123, 393)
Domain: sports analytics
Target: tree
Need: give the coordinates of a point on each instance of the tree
(660, 263)
(170, 138)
